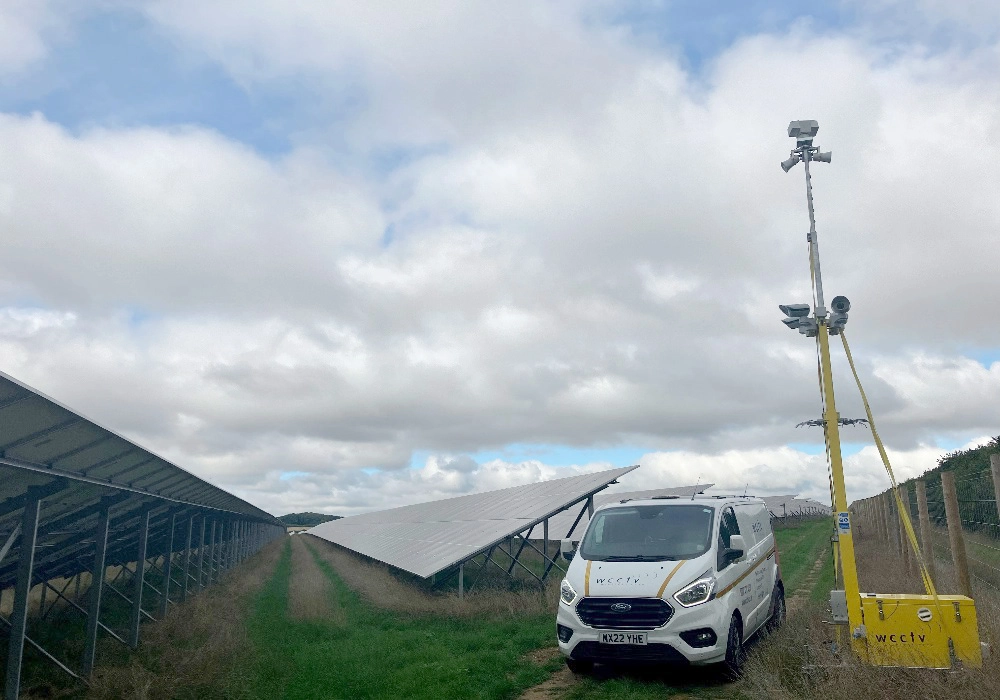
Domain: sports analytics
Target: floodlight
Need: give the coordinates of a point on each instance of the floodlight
(840, 305)
(823, 157)
(838, 319)
(792, 161)
(795, 310)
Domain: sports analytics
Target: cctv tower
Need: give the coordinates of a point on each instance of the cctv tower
(945, 625)
(821, 325)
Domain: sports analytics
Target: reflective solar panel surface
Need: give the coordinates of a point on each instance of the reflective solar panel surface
(80, 466)
(426, 538)
(559, 526)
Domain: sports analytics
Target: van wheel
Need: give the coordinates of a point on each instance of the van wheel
(735, 654)
(579, 667)
(778, 611)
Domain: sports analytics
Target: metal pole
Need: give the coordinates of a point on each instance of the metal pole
(461, 581)
(201, 555)
(813, 241)
(96, 590)
(590, 506)
(138, 580)
(187, 559)
(19, 615)
(211, 557)
(167, 568)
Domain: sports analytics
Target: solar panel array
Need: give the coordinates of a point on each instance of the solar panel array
(427, 538)
(560, 526)
(76, 497)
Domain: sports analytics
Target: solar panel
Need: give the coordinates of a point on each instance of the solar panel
(427, 538)
(561, 524)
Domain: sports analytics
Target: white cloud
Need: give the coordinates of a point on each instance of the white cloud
(583, 244)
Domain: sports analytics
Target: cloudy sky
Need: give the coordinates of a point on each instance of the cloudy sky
(337, 256)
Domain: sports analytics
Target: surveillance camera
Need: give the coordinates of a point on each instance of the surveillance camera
(794, 310)
(840, 305)
(792, 322)
(803, 129)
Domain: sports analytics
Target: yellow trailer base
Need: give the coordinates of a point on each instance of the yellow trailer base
(917, 631)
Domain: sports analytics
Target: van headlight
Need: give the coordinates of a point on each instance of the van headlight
(566, 593)
(697, 592)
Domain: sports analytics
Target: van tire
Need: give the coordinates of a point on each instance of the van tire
(579, 667)
(778, 610)
(735, 654)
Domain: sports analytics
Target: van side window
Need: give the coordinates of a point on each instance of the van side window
(727, 528)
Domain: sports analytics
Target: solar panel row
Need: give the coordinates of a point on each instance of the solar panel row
(76, 498)
(428, 538)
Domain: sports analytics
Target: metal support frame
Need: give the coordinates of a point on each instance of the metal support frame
(137, 582)
(187, 559)
(19, 614)
(201, 554)
(96, 590)
(169, 557)
(212, 576)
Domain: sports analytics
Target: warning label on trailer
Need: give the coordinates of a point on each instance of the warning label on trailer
(924, 614)
(844, 522)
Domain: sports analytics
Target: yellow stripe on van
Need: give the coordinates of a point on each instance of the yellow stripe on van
(663, 587)
(746, 573)
(586, 579)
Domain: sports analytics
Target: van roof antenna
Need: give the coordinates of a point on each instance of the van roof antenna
(745, 489)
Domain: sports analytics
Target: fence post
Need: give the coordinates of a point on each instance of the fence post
(955, 537)
(995, 469)
(925, 528)
(883, 501)
(911, 555)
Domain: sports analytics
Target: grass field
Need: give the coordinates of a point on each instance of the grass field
(308, 620)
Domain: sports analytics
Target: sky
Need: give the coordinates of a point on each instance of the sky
(340, 256)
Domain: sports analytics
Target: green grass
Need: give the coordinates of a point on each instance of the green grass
(799, 546)
(380, 654)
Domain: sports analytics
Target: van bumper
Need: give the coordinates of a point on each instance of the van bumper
(664, 644)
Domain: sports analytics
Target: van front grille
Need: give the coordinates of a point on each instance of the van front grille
(624, 613)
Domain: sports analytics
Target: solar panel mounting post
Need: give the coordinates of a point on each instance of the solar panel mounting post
(211, 556)
(19, 614)
(187, 558)
(165, 598)
(139, 580)
(201, 555)
(96, 589)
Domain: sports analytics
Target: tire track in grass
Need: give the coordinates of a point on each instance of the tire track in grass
(310, 595)
(801, 595)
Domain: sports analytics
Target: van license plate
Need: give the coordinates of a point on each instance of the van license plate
(623, 637)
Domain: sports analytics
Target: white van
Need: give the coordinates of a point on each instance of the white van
(670, 579)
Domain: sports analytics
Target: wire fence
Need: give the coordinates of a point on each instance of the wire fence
(957, 540)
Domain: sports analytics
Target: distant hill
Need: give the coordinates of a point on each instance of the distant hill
(307, 519)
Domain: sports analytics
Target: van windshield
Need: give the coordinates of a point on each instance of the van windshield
(649, 533)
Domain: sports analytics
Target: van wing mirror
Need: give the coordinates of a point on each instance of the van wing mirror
(737, 546)
(567, 549)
